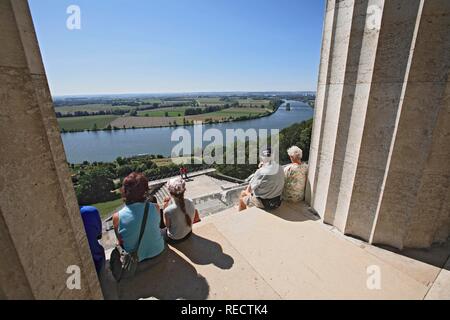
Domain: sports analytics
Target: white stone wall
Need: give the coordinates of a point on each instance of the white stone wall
(380, 148)
(41, 231)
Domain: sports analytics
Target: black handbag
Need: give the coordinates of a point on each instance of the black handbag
(124, 264)
(271, 204)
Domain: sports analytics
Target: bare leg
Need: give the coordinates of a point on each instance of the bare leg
(242, 205)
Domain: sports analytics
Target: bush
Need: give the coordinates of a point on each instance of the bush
(95, 186)
(124, 171)
(296, 135)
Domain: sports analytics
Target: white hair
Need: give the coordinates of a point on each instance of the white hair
(295, 152)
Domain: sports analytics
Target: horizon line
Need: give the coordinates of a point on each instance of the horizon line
(180, 93)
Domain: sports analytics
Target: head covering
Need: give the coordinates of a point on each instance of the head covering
(176, 186)
(266, 156)
(267, 152)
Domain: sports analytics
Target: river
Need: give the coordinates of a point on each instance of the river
(106, 146)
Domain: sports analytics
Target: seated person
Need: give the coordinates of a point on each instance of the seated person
(93, 227)
(295, 176)
(179, 213)
(127, 222)
(265, 187)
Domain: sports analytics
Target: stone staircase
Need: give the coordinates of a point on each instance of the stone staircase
(222, 198)
(161, 194)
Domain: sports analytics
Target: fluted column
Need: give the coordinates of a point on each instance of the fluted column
(41, 232)
(381, 97)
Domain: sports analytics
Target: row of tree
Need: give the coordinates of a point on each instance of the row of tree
(99, 181)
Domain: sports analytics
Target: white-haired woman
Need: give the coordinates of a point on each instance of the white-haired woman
(179, 213)
(295, 176)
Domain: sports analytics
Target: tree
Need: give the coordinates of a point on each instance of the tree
(124, 171)
(95, 186)
(121, 161)
(298, 135)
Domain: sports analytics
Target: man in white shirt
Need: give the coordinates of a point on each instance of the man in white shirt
(265, 187)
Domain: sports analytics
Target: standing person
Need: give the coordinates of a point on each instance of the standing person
(185, 173)
(295, 176)
(93, 227)
(179, 213)
(127, 222)
(181, 172)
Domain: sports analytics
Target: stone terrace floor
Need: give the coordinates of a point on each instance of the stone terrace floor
(287, 254)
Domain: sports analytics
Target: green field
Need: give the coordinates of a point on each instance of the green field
(108, 208)
(253, 102)
(157, 117)
(173, 112)
(151, 101)
(238, 112)
(85, 123)
(212, 102)
(91, 108)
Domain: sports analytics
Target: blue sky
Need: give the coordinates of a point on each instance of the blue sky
(169, 46)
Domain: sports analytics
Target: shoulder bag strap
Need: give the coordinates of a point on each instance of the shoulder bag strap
(143, 224)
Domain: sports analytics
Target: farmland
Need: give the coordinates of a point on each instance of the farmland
(90, 108)
(85, 123)
(104, 114)
(161, 121)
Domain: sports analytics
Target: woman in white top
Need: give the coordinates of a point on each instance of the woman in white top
(179, 213)
(295, 176)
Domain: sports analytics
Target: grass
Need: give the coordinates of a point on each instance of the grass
(91, 108)
(177, 112)
(252, 102)
(108, 208)
(212, 101)
(85, 123)
(151, 101)
(237, 112)
(172, 112)
(157, 118)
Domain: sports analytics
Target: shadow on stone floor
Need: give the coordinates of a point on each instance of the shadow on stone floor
(437, 255)
(172, 278)
(202, 251)
(294, 212)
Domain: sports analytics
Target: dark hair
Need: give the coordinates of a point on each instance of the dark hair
(179, 198)
(134, 188)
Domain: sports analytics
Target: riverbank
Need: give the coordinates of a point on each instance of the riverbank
(166, 117)
(108, 145)
(130, 123)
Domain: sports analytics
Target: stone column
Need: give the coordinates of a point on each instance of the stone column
(380, 138)
(41, 232)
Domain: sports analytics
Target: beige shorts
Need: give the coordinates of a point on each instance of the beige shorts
(252, 201)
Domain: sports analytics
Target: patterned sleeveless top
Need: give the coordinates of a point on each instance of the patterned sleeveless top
(295, 182)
